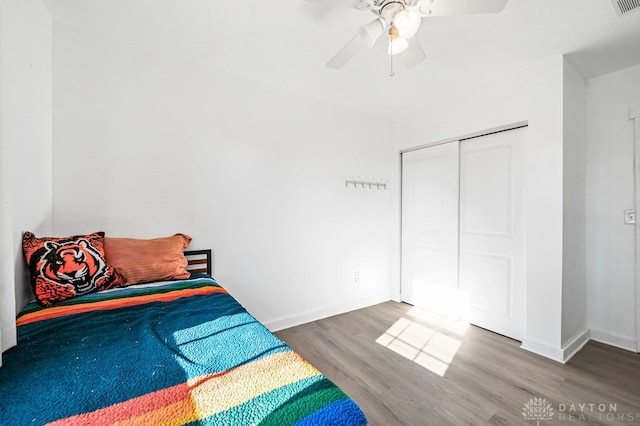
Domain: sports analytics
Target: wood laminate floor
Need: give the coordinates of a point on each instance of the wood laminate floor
(404, 366)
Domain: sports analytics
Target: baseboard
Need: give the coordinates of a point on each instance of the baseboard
(575, 344)
(613, 340)
(292, 321)
(542, 349)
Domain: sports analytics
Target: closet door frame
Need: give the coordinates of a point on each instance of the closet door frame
(634, 114)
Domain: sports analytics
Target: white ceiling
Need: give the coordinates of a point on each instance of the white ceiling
(286, 43)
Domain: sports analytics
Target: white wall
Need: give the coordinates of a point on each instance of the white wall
(574, 281)
(533, 95)
(147, 145)
(544, 209)
(610, 190)
(25, 150)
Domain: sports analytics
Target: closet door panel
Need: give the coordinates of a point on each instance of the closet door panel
(430, 227)
(492, 232)
(487, 195)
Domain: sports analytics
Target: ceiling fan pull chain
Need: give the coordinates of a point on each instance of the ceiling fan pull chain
(391, 73)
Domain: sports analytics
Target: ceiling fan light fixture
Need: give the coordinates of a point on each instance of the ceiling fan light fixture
(369, 33)
(407, 22)
(403, 19)
(397, 44)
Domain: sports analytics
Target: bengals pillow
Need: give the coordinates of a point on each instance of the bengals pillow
(141, 261)
(62, 268)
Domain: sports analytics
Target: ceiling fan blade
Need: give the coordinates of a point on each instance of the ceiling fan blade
(354, 4)
(346, 53)
(414, 53)
(461, 7)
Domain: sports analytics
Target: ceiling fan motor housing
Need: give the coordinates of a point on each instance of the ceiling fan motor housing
(389, 9)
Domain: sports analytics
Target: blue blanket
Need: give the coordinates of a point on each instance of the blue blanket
(183, 352)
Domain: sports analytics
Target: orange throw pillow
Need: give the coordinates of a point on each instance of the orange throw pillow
(141, 261)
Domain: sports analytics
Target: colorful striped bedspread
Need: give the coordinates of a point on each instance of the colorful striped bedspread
(172, 353)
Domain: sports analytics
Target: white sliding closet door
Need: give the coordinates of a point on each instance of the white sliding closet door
(492, 230)
(430, 228)
(463, 230)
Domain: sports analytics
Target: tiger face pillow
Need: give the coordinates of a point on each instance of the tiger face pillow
(62, 268)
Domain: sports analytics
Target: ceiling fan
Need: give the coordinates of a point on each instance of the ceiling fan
(401, 20)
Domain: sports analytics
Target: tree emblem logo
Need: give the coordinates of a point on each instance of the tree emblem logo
(537, 409)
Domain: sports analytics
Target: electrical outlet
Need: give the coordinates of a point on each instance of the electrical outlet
(356, 277)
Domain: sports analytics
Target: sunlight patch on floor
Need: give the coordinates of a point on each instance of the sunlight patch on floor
(428, 339)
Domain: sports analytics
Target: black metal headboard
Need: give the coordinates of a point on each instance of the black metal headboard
(199, 261)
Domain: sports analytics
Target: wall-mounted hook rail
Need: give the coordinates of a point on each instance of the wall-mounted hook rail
(365, 182)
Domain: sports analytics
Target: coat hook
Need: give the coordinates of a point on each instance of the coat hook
(366, 182)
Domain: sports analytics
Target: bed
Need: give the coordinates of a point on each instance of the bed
(169, 352)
